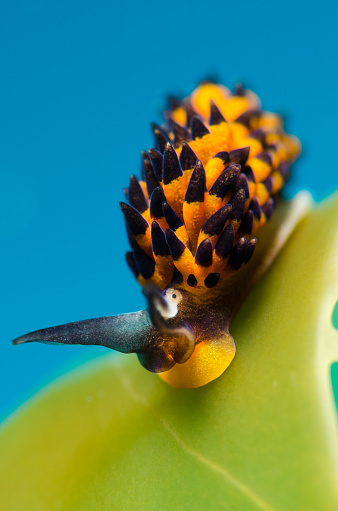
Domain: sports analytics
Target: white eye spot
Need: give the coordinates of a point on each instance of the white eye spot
(173, 295)
(173, 298)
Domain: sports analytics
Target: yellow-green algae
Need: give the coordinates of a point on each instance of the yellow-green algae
(262, 436)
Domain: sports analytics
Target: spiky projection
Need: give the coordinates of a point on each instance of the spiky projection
(206, 189)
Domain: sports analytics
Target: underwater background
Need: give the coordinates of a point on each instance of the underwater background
(81, 82)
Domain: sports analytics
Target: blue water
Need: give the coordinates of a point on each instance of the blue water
(81, 82)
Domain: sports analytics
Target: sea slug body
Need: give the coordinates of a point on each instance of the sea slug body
(206, 191)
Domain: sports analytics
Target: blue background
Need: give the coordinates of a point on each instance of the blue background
(81, 82)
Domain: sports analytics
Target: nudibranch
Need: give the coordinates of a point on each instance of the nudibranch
(193, 220)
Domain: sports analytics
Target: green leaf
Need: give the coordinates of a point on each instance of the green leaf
(263, 436)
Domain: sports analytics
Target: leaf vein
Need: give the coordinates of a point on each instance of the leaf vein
(230, 479)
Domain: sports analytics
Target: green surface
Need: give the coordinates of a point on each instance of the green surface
(111, 436)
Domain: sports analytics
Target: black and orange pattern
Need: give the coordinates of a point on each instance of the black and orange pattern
(206, 188)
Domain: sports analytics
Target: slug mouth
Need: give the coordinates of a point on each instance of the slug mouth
(158, 345)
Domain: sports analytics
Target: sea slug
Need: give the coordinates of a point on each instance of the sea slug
(207, 190)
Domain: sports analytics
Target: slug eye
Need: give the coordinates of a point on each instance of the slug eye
(173, 295)
(173, 298)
